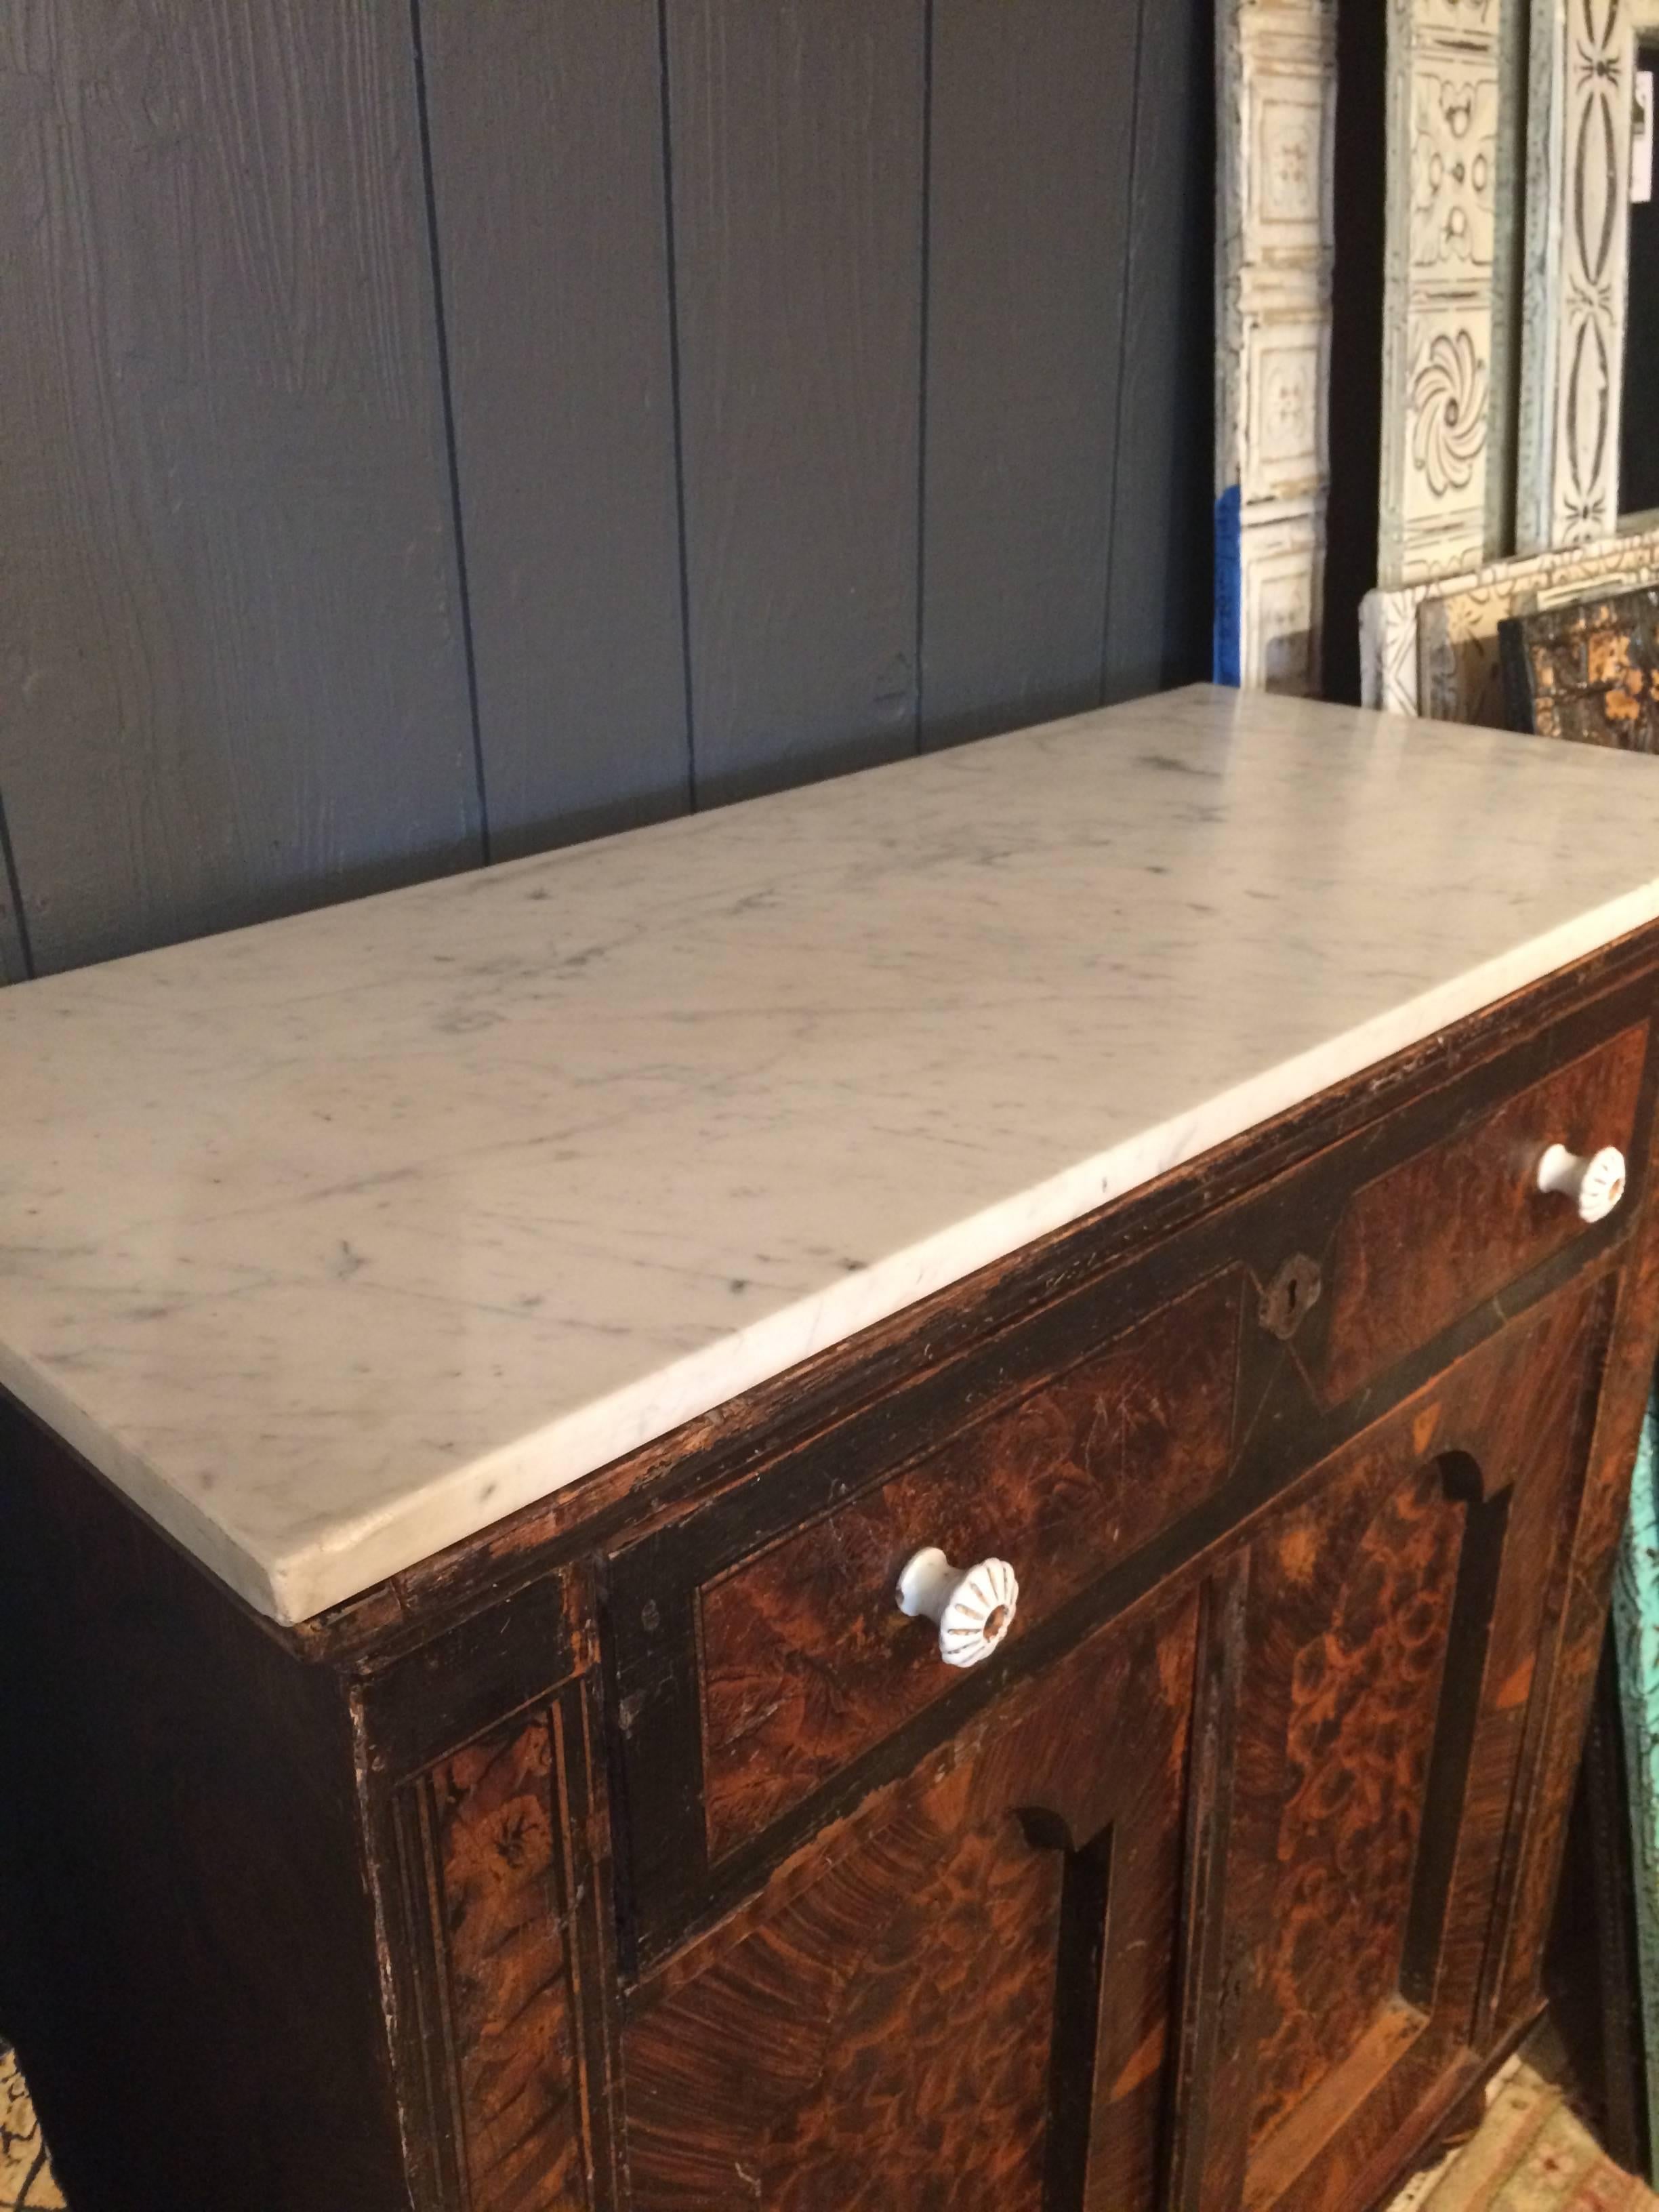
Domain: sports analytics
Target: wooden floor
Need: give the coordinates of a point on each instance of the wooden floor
(1532, 2154)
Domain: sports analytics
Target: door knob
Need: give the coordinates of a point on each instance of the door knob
(1595, 1182)
(973, 1606)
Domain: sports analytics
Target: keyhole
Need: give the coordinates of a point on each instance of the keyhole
(1293, 1293)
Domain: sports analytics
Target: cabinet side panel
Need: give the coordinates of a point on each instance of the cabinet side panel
(200, 2002)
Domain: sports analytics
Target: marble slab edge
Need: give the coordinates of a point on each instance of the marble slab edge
(294, 1586)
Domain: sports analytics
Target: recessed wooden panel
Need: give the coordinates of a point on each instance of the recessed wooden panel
(1428, 1240)
(1397, 1668)
(806, 1659)
(1361, 1603)
(965, 1989)
(497, 1872)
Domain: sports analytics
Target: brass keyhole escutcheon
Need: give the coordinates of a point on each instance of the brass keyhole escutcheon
(1290, 1295)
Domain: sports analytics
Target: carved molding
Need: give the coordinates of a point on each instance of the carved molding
(1441, 258)
(1276, 77)
(1577, 235)
(1431, 648)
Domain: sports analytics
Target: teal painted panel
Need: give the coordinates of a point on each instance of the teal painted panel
(1636, 1628)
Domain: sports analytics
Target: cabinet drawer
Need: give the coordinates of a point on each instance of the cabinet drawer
(1454, 1223)
(806, 1661)
(1156, 1388)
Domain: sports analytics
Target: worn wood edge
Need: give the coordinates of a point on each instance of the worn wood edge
(1418, 2137)
(1564, 1700)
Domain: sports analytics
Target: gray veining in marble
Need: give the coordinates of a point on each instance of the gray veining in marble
(331, 1242)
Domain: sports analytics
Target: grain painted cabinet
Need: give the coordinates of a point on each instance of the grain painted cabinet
(638, 1850)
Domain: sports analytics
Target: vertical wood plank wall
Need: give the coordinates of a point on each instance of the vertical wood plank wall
(437, 429)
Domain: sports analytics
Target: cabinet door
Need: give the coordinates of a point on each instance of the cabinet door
(958, 1997)
(1399, 1634)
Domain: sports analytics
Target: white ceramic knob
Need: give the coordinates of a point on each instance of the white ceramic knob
(1595, 1184)
(973, 1606)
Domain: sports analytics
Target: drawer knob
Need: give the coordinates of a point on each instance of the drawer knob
(973, 1606)
(1595, 1184)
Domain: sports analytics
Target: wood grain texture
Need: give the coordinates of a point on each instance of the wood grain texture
(797, 161)
(1403, 1618)
(1362, 1592)
(879, 2030)
(1031, 139)
(1160, 592)
(493, 1838)
(234, 683)
(547, 157)
(1433, 1236)
(806, 1659)
(912, 1413)
(1583, 1605)
(1264, 1747)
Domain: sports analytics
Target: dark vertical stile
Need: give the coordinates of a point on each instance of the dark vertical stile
(15, 964)
(1355, 385)
(1033, 118)
(547, 159)
(797, 161)
(1159, 591)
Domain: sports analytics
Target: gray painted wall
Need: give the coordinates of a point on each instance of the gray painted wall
(435, 431)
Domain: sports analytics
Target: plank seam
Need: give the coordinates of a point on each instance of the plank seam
(456, 518)
(671, 271)
(924, 321)
(1126, 302)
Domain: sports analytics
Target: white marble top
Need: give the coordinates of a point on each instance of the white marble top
(332, 1240)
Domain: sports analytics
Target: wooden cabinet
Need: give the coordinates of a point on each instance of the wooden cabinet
(663, 1863)
(1398, 1642)
(965, 1987)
